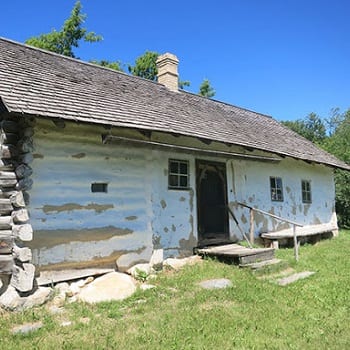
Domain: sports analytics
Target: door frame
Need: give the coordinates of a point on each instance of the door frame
(221, 171)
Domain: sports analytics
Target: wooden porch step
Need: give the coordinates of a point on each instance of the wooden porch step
(237, 254)
(262, 264)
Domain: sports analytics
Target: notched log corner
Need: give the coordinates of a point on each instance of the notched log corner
(20, 216)
(22, 254)
(23, 232)
(17, 200)
(23, 277)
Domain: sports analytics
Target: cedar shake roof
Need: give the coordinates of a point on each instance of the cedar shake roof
(40, 83)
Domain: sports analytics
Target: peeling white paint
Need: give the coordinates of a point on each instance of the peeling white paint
(67, 161)
(253, 182)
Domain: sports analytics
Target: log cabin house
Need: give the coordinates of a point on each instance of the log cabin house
(100, 168)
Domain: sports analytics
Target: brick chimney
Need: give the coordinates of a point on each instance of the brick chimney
(167, 71)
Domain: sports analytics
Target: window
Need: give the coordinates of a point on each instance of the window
(99, 187)
(276, 188)
(178, 174)
(306, 191)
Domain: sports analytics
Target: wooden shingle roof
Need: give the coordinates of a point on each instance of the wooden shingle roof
(41, 83)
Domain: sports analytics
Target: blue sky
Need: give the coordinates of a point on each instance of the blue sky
(284, 58)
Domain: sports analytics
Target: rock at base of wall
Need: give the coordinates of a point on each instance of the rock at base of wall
(125, 261)
(39, 297)
(140, 269)
(157, 258)
(112, 286)
(12, 301)
(177, 264)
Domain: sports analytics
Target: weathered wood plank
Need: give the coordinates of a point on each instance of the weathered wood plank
(6, 165)
(7, 175)
(261, 256)
(49, 277)
(6, 233)
(5, 206)
(251, 230)
(6, 192)
(6, 264)
(8, 183)
(6, 244)
(8, 151)
(308, 230)
(23, 278)
(238, 253)
(6, 222)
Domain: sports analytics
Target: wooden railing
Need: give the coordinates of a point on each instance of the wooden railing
(239, 227)
(251, 230)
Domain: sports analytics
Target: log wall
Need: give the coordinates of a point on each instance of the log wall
(16, 146)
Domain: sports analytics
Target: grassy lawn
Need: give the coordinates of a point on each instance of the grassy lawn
(255, 313)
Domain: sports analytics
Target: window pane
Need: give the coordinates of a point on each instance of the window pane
(306, 191)
(183, 181)
(173, 167)
(279, 194)
(173, 181)
(272, 182)
(279, 182)
(276, 188)
(183, 168)
(99, 187)
(178, 174)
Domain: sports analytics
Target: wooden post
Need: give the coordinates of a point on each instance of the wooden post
(296, 247)
(251, 232)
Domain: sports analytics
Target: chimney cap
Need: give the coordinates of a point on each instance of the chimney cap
(167, 56)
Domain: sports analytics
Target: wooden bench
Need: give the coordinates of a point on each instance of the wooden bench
(274, 238)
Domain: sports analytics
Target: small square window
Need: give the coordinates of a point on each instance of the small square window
(99, 187)
(178, 174)
(276, 189)
(306, 191)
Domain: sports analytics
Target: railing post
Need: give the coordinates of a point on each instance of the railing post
(296, 246)
(251, 231)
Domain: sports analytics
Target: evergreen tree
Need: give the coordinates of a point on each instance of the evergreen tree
(206, 90)
(71, 33)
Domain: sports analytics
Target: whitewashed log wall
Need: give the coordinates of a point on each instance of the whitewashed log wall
(251, 186)
(15, 180)
(76, 228)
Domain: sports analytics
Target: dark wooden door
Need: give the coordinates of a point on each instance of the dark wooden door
(211, 202)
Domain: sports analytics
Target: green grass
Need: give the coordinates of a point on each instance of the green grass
(255, 313)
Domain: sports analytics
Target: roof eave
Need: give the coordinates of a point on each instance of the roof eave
(340, 165)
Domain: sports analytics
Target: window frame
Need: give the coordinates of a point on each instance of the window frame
(276, 191)
(306, 193)
(99, 187)
(179, 174)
